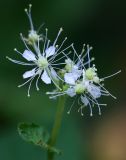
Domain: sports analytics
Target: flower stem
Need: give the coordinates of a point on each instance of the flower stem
(57, 124)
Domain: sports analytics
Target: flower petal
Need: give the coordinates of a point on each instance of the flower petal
(46, 79)
(84, 100)
(29, 55)
(69, 78)
(50, 51)
(71, 92)
(76, 73)
(94, 91)
(54, 74)
(30, 73)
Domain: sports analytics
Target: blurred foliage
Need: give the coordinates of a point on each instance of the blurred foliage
(101, 24)
(36, 135)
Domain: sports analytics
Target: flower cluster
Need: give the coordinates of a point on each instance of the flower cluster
(71, 73)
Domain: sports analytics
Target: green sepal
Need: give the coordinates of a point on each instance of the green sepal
(36, 135)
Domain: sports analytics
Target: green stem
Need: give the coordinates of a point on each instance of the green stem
(57, 124)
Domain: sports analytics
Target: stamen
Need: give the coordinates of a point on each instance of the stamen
(59, 68)
(37, 82)
(38, 30)
(30, 87)
(61, 57)
(62, 44)
(59, 77)
(28, 12)
(103, 94)
(54, 81)
(19, 62)
(69, 111)
(48, 44)
(17, 51)
(92, 59)
(22, 38)
(77, 55)
(57, 36)
(26, 82)
(88, 55)
(60, 52)
(83, 49)
(45, 42)
(51, 97)
(98, 105)
(58, 64)
(95, 101)
(91, 114)
(52, 93)
(90, 48)
(102, 79)
(36, 50)
(38, 44)
(81, 109)
(107, 91)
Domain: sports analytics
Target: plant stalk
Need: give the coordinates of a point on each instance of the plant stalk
(57, 125)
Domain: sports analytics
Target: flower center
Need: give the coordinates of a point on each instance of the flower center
(69, 65)
(42, 62)
(33, 36)
(80, 88)
(90, 73)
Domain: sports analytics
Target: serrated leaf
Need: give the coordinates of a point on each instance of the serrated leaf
(33, 133)
(36, 135)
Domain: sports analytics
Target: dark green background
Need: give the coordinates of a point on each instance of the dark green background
(100, 23)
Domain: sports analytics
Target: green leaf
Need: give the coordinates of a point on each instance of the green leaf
(36, 135)
(33, 133)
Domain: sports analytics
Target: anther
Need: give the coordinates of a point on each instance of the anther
(68, 112)
(61, 29)
(91, 114)
(25, 10)
(15, 49)
(30, 5)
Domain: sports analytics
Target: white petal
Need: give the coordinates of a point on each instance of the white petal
(50, 51)
(69, 78)
(45, 78)
(75, 67)
(29, 55)
(84, 100)
(54, 74)
(94, 91)
(76, 73)
(79, 63)
(71, 92)
(29, 73)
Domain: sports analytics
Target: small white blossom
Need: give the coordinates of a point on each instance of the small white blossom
(44, 63)
(86, 86)
(33, 34)
(73, 74)
(74, 68)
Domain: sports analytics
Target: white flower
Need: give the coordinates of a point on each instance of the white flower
(33, 35)
(44, 63)
(72, 72)
(72, 76)
(86, 94)
(74, 68)
(83, 83)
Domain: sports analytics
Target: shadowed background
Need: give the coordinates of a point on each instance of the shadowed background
(100, 23)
